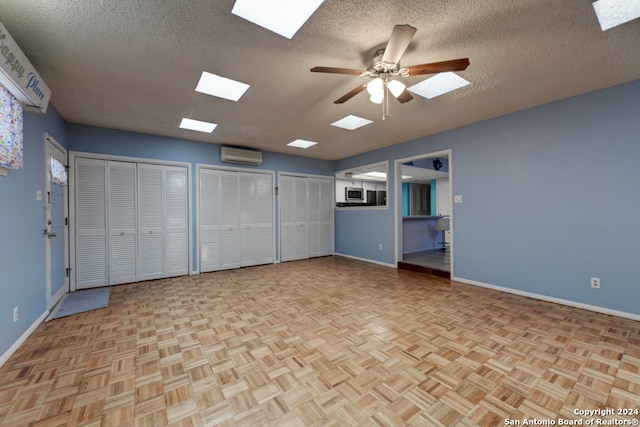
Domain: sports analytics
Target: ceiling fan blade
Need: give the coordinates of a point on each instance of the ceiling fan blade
(404, 97)
(439, 67)
(398, 43)
(350, 95)
(336, 70)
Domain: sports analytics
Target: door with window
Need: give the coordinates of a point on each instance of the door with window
(55, 227)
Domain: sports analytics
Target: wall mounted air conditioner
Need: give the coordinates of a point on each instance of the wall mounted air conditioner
(238, 155)
(20, 77)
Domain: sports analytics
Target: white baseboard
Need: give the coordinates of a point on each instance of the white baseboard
(7, 354)
(366, 260)
(569, 303)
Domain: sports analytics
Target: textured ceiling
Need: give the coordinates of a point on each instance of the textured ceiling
(134, 65)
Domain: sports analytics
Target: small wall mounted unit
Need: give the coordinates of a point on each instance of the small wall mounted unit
(239, 155)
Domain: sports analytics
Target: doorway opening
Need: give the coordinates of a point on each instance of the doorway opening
(423, 213)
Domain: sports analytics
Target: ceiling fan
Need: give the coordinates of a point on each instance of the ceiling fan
(386, 66)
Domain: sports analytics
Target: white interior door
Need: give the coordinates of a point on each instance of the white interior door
(90, 223)
(150, 251)
(122, 222)
(326, 217)
(176, 221)
(209, 220)
(264, 219)
(230, 215)
(56, 229)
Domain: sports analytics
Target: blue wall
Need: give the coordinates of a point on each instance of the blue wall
(22, 241)
(550, 199)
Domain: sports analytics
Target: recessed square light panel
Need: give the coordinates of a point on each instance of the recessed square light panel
(351, 122)
(222, 87)
(612, 13)
(284, 17)
(301, 143)
(197, 125)
(438, 85)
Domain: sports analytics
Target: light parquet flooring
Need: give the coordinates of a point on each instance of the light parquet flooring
(321, 342)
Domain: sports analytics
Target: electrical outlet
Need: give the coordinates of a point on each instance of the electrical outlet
(380, 246)
(15, 314)
(595, 282)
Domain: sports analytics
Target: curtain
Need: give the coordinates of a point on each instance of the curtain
(58, 173)
(10, 130)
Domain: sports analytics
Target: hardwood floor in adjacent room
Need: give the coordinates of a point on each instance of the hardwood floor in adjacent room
(326, 341)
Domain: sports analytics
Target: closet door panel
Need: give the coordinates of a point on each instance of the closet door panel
(91, 223)
(122, 222)
(264, 219)
(287, 218)
(326, 217)
(248, 215)
(209, 220)
(150, 263)
(313, 198)
(301, 218)
(230, 215)
(176, 221)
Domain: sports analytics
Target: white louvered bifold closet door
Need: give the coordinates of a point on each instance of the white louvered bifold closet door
(122, 220)
(176, 221)
(264, 219)
(313, 213)
(150, 263)
(326, 217)
(91, 223)
(287, 218)
(306, 217)
(230, 216)
(209, 220)
(248, 219)
(301, 212)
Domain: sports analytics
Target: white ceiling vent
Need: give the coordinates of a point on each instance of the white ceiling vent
(238, 155)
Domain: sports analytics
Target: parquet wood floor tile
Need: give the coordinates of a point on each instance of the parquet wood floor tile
(321, 342)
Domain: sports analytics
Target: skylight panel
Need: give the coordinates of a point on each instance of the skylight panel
(612, 13)
(351, 122)
(197, 125)
(222, 87)
(301, 143)
(284, 17)
(438, 85)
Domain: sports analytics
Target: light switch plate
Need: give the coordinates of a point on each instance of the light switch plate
(38, 195)
(457, 199)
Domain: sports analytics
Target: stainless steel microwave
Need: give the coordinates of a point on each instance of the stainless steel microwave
(353, 194)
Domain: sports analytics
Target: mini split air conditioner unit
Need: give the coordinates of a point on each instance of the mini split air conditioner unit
(238, 155)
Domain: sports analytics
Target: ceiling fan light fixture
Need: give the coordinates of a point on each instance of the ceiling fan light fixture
(376, 88)
(396, 87)
(377, 98)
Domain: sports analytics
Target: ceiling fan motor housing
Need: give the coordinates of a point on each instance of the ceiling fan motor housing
(380, 66)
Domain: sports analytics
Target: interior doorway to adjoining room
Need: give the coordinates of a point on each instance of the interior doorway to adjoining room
(417, 239)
